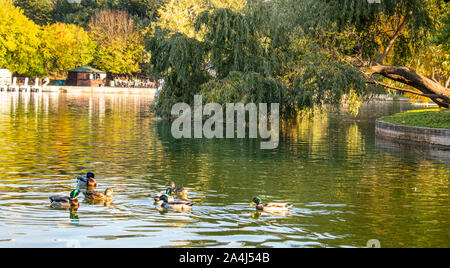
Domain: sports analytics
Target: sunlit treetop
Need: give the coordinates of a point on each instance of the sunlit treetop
(120, 43)
(66, 46)
(19, 41)
(181, 15)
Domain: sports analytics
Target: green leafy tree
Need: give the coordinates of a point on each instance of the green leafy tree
(180, 60)
(240, 50)
(40, 11)
(78, 12)
(324, 51)
(444, 33)
(384, 42)
(143, 9)
(233, 42)
(443, 45)
(245, 87)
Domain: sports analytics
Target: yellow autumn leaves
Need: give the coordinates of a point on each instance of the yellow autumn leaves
(29, 49)
(180, 15)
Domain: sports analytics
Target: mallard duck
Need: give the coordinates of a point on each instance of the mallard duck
(180, 190)
(270, 207)
(98, 196)
(70, 201)
(87, 180)
(168, 193)
(176, 204)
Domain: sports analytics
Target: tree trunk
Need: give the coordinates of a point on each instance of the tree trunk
(439, 94)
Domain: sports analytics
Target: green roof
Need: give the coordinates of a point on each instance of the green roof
(86, 69)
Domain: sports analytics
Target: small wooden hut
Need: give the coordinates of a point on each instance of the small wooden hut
(85, 76)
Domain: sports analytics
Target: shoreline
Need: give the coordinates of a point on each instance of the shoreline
(406, 133)
(69, 89)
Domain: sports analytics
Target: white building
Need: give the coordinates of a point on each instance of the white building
(5, 77)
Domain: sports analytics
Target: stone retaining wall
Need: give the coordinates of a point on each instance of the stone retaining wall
(435, 136)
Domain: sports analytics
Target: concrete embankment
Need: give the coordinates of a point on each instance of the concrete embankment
(433, 136)
(123, 90)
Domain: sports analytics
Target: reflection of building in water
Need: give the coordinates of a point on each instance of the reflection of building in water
(101, 108)
(25, 99)
(98, 105)
(35, 100)
(91, 108)
(4, 104)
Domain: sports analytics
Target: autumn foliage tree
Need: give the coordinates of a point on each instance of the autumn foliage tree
(19, 41)
(64, 47)
(120, 43)
(111, 40)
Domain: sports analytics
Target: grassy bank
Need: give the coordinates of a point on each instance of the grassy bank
(430, 117)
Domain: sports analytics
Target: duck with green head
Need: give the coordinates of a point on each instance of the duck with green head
(270, 207)
(87, 181)
(70, 201)
(176, 204)
(158, 200)
(180, 190)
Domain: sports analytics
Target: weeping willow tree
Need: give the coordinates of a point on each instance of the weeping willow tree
(230, 52)
(390, 44)
(232, 41)
(180, 60)
(306, 53)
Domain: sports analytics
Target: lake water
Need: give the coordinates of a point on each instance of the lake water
(347, 186)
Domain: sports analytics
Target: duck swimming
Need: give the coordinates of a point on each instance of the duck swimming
(180, 190)
(87, 181)
(270, 207)
(98, 196)
(70, 201)
(176, 204)
(158, 200)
